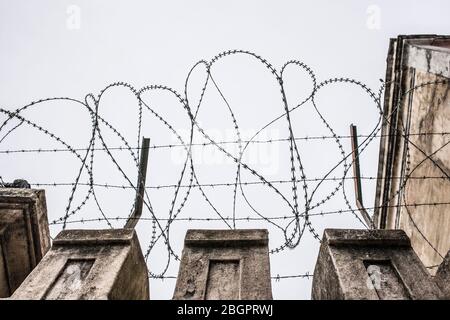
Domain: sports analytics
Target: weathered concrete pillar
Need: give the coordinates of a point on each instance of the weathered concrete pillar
(224, 264)
(443, 277)
(370, 264)
(89, 264)
(24, 235)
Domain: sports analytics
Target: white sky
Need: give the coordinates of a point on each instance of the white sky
(44, 54)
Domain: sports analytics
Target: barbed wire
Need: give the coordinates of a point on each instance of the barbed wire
(285, 217)
(230, 184)
(204, 144)
(300, 203)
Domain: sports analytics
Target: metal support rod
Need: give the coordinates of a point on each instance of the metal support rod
(357, 177)
(140, 192)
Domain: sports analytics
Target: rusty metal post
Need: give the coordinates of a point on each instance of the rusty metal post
(357, 177)
(140, 192)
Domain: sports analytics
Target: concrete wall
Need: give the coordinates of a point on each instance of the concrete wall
(24, 235)
(417, 101)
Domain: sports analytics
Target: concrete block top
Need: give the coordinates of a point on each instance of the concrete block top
(230, 237)
(94, 237)
(370, 238)
(19, 194)
(370, 264)
(224, 264)
(89, 264)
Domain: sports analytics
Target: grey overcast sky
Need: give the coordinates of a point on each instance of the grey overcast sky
(58, 48)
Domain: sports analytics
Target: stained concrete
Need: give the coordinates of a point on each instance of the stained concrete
(224, 265)
(370, 264)
(416, 61)
(89, 264)
(24, 235)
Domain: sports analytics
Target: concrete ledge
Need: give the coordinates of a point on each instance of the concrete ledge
(336, 237)
(201, 237)
(93, 237)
